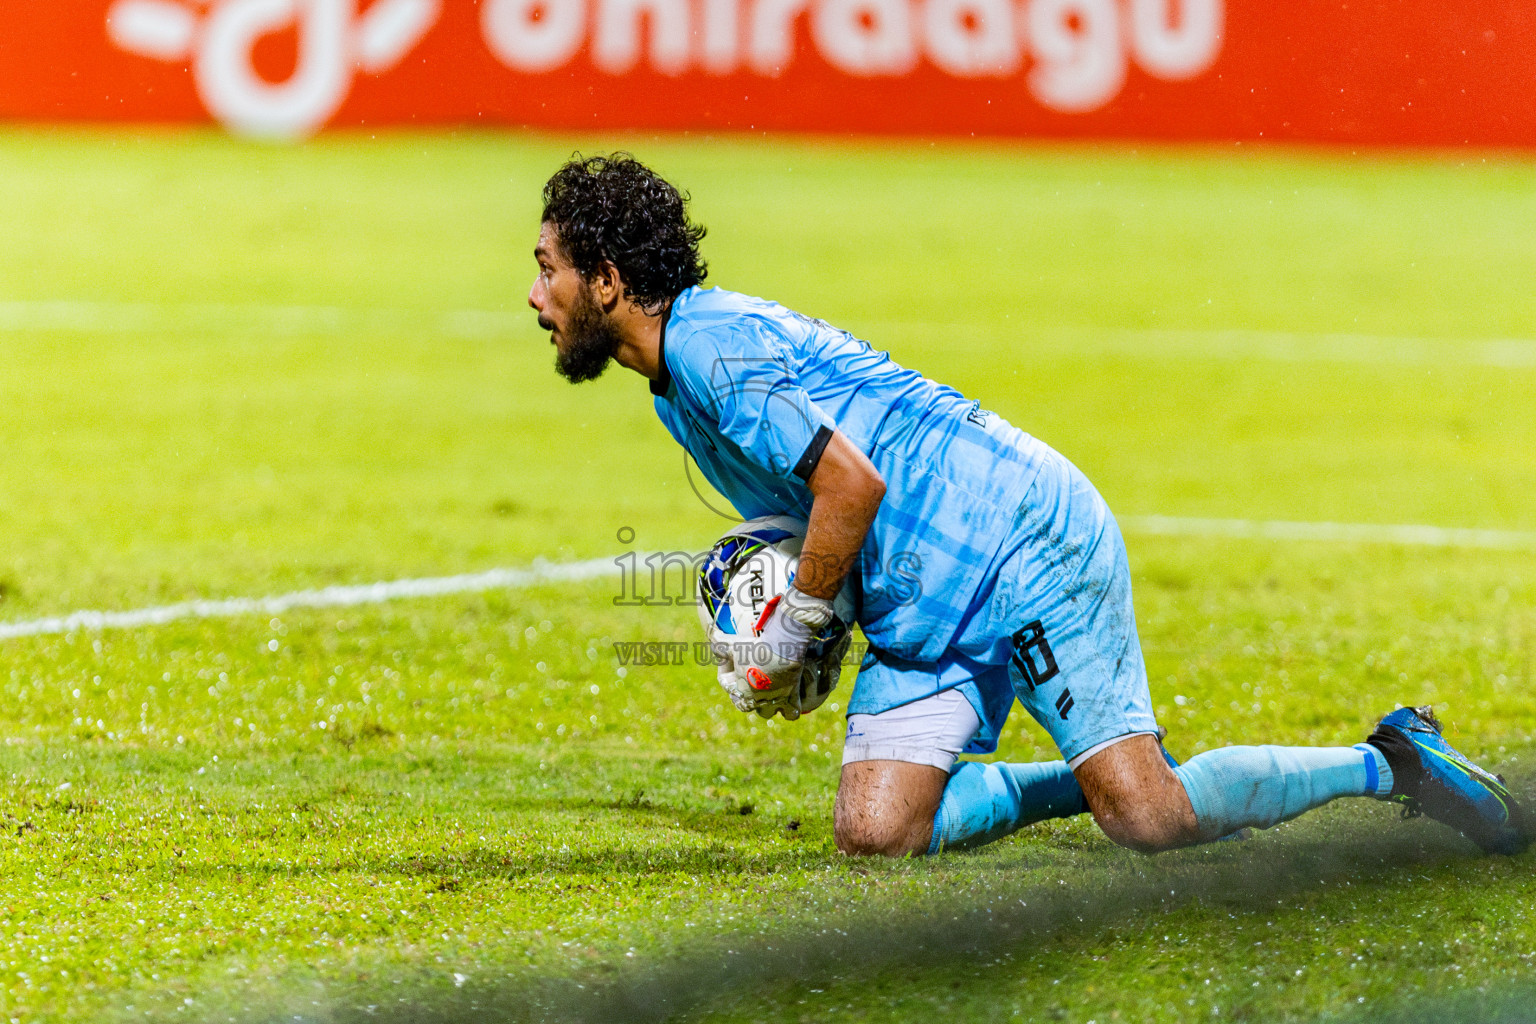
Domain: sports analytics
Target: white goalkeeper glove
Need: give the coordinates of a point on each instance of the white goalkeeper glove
(743, 697)
(767, 675)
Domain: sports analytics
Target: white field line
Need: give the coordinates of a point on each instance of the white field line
(1302, 347)
(1273, 346)
(543, 572)
(1157, 343)
(328, 597)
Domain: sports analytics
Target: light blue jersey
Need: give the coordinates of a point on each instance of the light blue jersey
(753, 391)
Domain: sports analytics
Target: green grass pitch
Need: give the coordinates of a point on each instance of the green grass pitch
(230, 371)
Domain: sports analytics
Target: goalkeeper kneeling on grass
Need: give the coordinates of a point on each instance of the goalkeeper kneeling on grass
(988, 567)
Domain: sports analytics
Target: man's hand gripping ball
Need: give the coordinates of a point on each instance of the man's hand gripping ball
(778, 650)
(793, 662)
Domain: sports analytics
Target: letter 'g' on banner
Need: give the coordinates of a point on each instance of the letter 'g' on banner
(867, 38)
(1081, 61)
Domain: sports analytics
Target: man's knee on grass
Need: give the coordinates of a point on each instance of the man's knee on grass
(1145, 829)
(886, 808)
(1136, 799)
(858, 834)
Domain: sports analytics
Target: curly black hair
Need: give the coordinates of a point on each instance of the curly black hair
(617, 209)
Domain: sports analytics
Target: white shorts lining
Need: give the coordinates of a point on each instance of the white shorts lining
(931, 731)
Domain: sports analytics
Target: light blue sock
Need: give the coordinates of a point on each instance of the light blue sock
(1242, 787)
(983, 802)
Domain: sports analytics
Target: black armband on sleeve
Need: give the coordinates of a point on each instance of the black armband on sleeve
(807, 464)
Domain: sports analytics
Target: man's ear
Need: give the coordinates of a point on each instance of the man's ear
(607, 285)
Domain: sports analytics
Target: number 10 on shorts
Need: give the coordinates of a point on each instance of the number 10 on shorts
(1029, 644)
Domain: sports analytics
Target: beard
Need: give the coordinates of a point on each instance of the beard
(591, 341)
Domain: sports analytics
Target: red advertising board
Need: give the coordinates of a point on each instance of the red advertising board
(1438, 72)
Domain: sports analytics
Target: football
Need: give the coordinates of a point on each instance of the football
(746, 569)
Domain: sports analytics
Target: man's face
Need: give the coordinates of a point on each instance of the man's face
(584, 337)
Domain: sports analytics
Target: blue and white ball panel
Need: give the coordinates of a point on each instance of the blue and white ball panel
(746, 568)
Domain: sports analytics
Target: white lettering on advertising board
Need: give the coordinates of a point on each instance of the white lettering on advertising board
(1077, 52)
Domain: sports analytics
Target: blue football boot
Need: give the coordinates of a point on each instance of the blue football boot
(1430, 777)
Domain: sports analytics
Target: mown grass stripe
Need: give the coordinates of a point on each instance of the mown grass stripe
(1157, 343)
(1352, 533)
(236, 317)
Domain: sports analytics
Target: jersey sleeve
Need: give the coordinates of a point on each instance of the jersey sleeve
(742, 380)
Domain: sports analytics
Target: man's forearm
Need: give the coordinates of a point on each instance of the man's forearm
(847, 490)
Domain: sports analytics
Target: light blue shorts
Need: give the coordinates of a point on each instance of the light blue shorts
(1053, 624)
